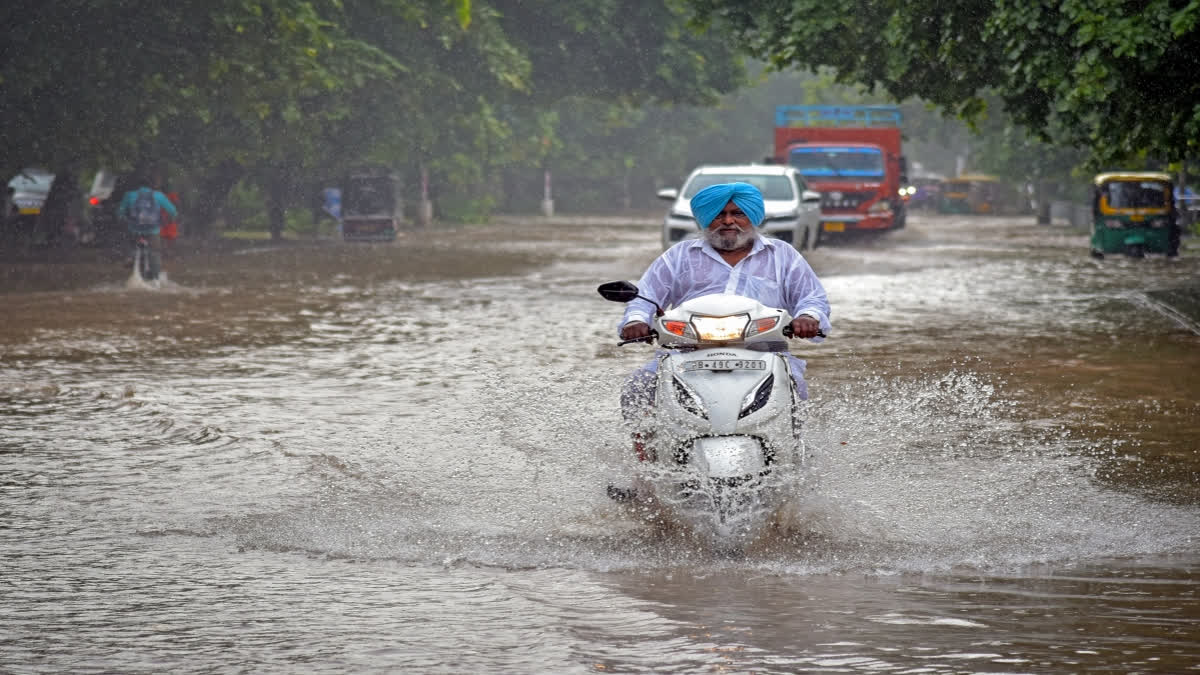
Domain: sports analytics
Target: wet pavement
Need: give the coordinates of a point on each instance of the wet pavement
(327, 458)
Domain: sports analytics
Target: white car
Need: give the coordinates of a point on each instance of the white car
(792, 210)
(27, 193)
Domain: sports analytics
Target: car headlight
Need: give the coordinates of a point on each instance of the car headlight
(880, 206)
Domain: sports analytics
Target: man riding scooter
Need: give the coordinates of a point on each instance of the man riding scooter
(731, 257)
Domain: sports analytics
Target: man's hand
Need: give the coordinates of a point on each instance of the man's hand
(804, 326)
(634, 330)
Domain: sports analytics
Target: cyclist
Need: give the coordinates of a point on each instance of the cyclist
(141, 210)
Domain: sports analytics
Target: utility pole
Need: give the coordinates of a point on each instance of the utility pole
(424, 205)
(547, 195)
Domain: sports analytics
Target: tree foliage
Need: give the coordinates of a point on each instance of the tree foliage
(612, 96)
(1116, 77)
(287, 94)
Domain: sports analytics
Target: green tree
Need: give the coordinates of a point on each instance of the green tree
(1113, 76)
(593, 68)
(287, 93)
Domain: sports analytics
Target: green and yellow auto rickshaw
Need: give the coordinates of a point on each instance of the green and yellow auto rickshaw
(1133, 212)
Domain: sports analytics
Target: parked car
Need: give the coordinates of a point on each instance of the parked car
(103, 198)
(28, 191)
(24, 197)
(792, 210)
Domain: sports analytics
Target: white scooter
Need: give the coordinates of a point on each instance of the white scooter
(722, 443)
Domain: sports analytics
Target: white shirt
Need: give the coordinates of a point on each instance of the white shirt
(774, 274)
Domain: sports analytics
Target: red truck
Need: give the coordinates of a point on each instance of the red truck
(851, 155)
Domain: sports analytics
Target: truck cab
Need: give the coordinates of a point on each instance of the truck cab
(851, 155)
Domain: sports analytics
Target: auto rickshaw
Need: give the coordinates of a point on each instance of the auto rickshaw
(977, 194)
(1133, 212)
(371, 206)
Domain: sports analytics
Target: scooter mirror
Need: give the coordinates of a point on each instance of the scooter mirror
(618, 291)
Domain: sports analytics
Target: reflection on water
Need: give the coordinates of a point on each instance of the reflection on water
(949, 624)
(386, 457)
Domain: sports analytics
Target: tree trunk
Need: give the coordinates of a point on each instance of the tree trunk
(61, 213)
(276, 200)
(1042, 197)
(626, 191)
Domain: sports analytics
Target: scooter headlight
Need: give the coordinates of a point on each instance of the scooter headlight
(721, 328)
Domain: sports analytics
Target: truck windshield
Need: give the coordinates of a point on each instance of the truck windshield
(772, 187)
(838, 161)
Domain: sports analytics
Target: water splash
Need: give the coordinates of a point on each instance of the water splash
(1143, 299)
(905, 474)
(135, 280)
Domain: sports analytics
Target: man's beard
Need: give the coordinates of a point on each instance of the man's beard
(730, 242)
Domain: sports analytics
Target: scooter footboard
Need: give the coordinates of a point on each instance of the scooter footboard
(729, 456)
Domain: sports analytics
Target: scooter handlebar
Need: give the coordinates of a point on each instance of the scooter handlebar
(647, 338)
(653, 336)
(789, 333)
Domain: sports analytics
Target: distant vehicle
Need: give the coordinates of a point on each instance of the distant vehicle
(924, 191)
(851, 154)
(103, 186)
(371, 206)
(103, 199)
(979, 194)
(28, 193)
(792, 210)
(1133, 212)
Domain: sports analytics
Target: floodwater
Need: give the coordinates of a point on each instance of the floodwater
(330, 458)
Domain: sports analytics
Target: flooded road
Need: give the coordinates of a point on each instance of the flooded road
(393, 458)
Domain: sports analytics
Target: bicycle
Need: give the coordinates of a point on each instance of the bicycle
(143, 267)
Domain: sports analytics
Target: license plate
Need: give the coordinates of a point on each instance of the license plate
(726, 364)
(834, 227)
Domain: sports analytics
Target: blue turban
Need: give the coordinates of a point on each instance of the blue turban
(712, 200)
